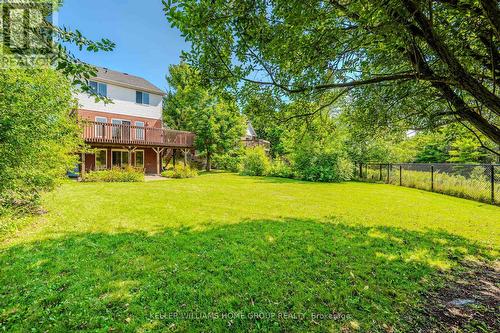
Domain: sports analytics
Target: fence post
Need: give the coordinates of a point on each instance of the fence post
(492, 184)
(380, 173)
(432, 178)
(400, 175)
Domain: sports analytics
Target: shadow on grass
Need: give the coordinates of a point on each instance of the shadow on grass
(291, 275)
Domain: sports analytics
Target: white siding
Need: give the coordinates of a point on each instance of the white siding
(123, 103)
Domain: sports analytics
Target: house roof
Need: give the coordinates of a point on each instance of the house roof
(126, 80)
(250, 130)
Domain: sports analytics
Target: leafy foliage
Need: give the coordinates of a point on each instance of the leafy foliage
(412, 63)
(280, 168)
(37, 134)
(180, 171)
(122, 175)
(323, 166)
(211, 115)
(228, 161)
(255, 162)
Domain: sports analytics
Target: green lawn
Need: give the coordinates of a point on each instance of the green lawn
(214, 252)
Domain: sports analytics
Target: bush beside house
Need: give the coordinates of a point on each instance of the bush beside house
(180, 171)
(126, 175)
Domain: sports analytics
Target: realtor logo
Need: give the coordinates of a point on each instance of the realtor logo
(26, 32)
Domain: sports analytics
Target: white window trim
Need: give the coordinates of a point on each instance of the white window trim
(143, 158)
(97, 117)
(95, 159)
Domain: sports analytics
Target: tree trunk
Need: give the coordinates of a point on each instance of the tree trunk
(458, 72)
(490, 9)
(461, 108)
(208, 167)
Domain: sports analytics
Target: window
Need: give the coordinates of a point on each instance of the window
(119, 158)
(101, 159)
(139, 159)
(139, 131)
(99, 88)
(121, 129)
(141, 97)
(100, 130)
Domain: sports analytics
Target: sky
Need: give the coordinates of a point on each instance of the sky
(145, 43)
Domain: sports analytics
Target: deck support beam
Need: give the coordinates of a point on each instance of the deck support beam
(158, 151)
(82, 170)
(185, 152)
(130, 149)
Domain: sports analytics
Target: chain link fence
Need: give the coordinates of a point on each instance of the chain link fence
(480, 182)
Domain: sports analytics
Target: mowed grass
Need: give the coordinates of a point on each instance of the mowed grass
(223, 252)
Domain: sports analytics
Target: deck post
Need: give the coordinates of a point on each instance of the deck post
(82, 170)
(158, 152)
(185, 152)
(130, 149)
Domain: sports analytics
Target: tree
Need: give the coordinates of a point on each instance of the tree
(38, 137)
(185, 93)
(265, 113)
(218, 126)
(212, 115)
(445, 50)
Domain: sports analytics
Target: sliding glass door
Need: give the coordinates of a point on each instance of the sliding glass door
(121, 132)
(119, 158)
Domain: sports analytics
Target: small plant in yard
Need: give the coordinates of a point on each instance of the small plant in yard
(323, 167)
(280, 168)
(255, 162)
(127, 174)
(227, 161)
(180, 171)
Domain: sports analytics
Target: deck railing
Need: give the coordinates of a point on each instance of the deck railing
(98, 132)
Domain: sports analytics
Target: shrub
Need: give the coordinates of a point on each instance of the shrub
(229, 162)
(127, 174)
(255, 162)
(280, 168)
(323, 167)
(37, 135)
(180, 171)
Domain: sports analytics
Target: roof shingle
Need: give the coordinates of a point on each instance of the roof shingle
(125, 79)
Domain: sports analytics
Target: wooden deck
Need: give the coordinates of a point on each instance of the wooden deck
(107, 133)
